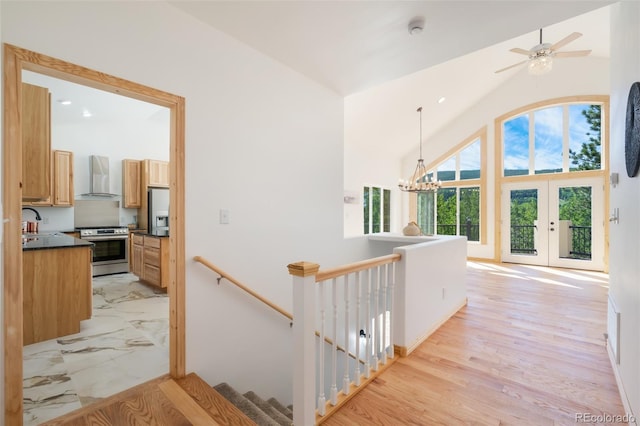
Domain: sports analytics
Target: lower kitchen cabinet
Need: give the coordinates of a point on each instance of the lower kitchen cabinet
(57, 292)
(150, 259)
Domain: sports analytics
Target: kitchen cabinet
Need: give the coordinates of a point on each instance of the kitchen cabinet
(151, 259)
(62, 181)
(57, 291)
(36, 143)
(156, 173)
(132, 183)
(63, 178)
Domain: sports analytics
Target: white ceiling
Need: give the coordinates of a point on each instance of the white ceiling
(350, 46)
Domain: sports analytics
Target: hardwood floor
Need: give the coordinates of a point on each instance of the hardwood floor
(528, 349)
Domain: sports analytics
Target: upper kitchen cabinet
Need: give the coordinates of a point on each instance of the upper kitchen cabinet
(63, 178)
(156, 173)
(132, 183)
(36, 143)
(62, 182)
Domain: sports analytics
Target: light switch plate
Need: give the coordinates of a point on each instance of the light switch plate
(224, 216)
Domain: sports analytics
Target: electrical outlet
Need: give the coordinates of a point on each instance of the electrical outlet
(442, 293)
(45, 220)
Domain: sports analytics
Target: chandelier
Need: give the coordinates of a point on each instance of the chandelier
(419, 181)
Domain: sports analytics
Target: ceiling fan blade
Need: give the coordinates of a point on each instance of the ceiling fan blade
(521, 51)
(572, 54)
(510, 66)
(568, 39)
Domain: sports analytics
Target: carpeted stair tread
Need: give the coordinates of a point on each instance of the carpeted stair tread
(284, 410)
(271, 411)
(246, 406)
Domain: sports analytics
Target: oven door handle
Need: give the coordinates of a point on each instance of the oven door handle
(115, 237)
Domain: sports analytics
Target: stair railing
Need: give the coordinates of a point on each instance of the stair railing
(351, 304)
(223, 275)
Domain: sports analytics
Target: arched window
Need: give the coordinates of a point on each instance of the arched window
(553, 139)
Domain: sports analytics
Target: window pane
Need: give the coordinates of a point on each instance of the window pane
(548, 140)
(516, 146)
(426, 212)
(470, 213)
(375, 209)
(447, 169)
(470, 161)
(584, 137)
(446, 211)
(387, 210)
(365, 202)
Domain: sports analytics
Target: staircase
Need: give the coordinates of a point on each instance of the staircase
(263, 412)
(186, 401)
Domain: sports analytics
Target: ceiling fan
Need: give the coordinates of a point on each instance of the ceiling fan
(541, 56)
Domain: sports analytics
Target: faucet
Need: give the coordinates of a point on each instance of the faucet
(33, 210)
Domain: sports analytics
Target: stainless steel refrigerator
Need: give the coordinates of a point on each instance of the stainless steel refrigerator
(158, 210)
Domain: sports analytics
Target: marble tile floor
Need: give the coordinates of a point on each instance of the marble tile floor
(125, 343)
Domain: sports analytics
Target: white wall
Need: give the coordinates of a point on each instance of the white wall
(624, 256)
(261, 141)
(364, 120)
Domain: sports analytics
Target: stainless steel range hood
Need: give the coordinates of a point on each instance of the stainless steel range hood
(99, 177)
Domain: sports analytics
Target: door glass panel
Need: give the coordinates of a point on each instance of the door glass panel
(524, 214)
(574, 226)
(548, 140)
(446, 212)
(516, 146)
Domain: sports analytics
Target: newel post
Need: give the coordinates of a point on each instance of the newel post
(304, 359)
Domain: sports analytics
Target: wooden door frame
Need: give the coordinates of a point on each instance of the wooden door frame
(15, 60)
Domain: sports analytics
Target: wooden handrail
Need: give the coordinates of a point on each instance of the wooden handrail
(223, 274)
(356, 267)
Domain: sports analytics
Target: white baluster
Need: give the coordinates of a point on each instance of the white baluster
(367, 327)
(345, 380)
(334, 349)
(375, 332)
(392, 279)
(383, 282)
(321, 397)
(358, 328)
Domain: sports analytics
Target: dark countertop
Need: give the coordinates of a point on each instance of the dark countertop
(51, 240)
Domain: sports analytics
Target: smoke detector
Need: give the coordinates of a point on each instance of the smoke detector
(416, 25)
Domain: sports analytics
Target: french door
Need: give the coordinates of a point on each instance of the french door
(554, 223)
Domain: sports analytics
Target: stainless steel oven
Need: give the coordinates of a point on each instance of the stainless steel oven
(110, 251)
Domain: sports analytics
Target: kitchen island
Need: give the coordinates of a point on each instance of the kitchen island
(57, 290)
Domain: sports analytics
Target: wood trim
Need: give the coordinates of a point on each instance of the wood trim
(11, 242)
(232, 280)
(15, 60)
(356, 267)
(604, 158)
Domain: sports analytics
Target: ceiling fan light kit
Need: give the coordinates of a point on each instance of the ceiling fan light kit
(541, 56)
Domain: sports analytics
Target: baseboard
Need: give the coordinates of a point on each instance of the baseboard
(403, 351)
(623, 393)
